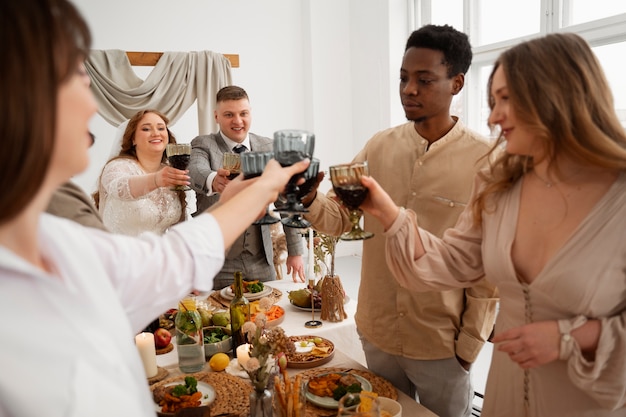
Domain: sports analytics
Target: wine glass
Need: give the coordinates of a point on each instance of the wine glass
(291, 146)
(252, 165)
(346, 179)
(310, 178)
(362, 404)
(179, 155)
(232, 162)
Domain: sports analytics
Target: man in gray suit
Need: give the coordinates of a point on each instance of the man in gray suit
(252, 253)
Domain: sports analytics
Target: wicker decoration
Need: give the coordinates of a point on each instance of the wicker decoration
(332, 299)
(380, 386)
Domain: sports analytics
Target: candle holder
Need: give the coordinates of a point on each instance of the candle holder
(312, 324)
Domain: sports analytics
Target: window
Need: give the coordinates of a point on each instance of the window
(495, 25)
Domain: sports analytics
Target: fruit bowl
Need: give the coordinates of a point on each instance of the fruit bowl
(211, 348)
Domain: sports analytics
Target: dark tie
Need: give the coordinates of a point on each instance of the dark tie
(240, 148)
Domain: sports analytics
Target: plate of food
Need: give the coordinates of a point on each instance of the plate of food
(170, 396)
(325, 390)
(252, 290)
(310, 351)
(275, 315)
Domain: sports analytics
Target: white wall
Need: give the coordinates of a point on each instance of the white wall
(329, 66)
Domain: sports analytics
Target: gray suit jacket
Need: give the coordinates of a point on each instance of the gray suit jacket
(206, 156)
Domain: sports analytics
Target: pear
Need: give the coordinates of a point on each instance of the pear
(300, 298)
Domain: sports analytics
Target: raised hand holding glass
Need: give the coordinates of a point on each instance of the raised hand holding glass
(291, 146)
(346, 179)
(232, 162)
(252, 165)
(178, 156)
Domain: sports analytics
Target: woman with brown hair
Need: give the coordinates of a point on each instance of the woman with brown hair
(546, 225)
(134, 190)
(76, 295)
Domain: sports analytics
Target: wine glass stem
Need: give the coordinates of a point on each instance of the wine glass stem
(355, 217)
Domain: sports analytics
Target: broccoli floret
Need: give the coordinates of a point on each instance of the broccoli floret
(179, 390)
(192, 384)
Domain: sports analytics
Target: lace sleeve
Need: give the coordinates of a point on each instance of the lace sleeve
(116, 176)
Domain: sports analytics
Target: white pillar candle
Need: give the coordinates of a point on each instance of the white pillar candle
(243, 354)
(310, 272)
(147, 351)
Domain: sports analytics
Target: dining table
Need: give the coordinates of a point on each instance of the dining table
(348, 352)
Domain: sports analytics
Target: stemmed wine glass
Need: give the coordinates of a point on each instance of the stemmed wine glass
(232, 162)
(346, 179)
(179, 155)
(252, 165)
(310, 178)
(291, 146)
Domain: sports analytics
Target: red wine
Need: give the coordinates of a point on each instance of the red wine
(250, 175)
(232, 175)
(179, 161)
(352, 195)
(288, 158)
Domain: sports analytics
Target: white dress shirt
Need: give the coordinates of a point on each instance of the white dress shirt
(67, 347)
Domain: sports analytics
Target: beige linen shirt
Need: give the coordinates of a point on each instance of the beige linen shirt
(436, 183)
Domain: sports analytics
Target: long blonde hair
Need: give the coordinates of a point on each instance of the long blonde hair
(559, 92)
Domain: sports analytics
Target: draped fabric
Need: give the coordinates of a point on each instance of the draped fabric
(176, 81)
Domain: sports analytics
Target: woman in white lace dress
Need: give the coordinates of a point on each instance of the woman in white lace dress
(134, 193)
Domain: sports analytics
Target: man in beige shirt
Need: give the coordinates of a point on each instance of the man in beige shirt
(424, 343)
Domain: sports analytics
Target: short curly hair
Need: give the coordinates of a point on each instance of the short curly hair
(455, 46)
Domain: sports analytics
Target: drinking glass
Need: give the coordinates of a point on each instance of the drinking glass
(310, 177)
(252, 165)
(232, 162)
(291, 146)
(179, 155)
(346, 179)
(362, 404)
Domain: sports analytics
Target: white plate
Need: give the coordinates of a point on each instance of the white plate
(330, 402)
(228, 294)
(208, 393)
(345, 301)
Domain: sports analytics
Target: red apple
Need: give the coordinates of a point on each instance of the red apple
(162, 338)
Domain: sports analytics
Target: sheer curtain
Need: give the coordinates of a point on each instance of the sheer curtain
(176, 81)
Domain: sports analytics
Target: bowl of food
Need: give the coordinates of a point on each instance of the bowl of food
(216, 339)
(389, 407)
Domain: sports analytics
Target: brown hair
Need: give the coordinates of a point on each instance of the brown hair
(43, 40)
(129, 151)
(558, 90)
(231, 92)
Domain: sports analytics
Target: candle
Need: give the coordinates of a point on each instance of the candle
(310, 272)
(147, 351)
(243, 354)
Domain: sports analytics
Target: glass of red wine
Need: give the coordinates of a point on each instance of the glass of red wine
(310, 178)
(291, 146)
(179, 155)
(252, 165)
(232, 162)
(346, 179)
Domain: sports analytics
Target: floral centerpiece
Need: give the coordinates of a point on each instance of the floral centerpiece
(266, 346)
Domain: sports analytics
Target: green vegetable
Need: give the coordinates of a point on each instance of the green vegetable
(190, 387)
(342, 390)
(215, 335)
(256, 287)
(192, 384)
